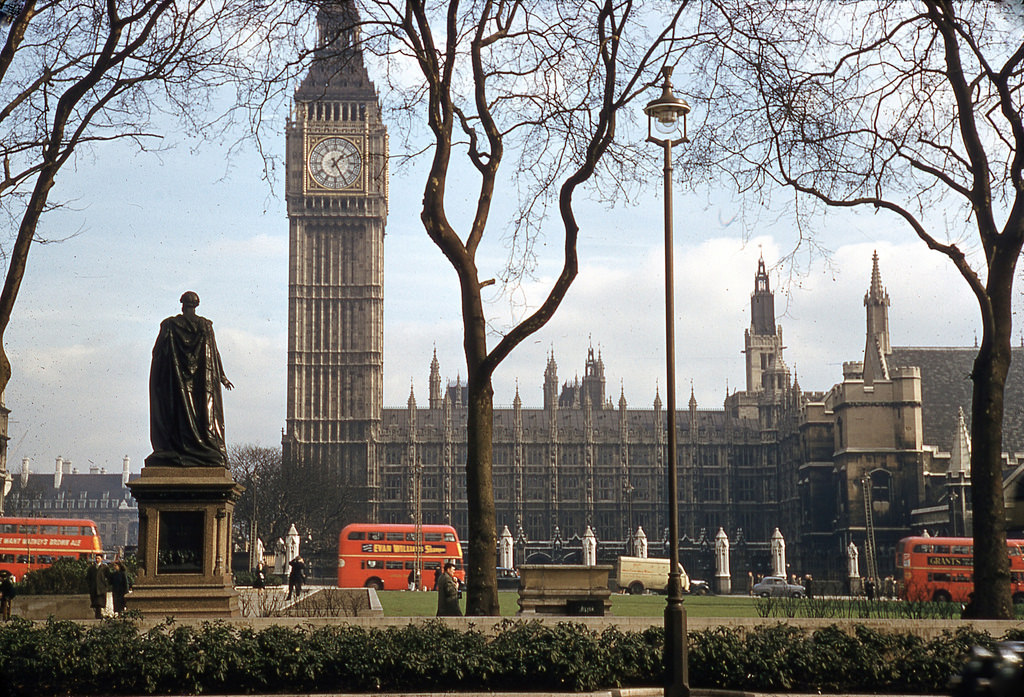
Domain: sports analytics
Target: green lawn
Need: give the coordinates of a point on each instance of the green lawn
(424, 604)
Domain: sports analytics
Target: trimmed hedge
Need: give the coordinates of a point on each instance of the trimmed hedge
(114, 657)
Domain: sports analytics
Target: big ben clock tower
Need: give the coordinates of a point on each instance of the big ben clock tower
(337, 194)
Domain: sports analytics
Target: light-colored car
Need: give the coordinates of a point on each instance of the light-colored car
(778, 587)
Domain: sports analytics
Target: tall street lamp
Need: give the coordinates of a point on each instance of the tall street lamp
(666, 116)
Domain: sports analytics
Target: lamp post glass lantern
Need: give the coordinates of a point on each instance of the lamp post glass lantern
(666, 126)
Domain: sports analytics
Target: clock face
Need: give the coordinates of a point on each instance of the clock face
(334, 163)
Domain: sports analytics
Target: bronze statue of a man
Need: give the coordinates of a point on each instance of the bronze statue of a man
(186, 412)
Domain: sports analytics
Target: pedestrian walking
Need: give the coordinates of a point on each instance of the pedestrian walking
(448, 593)
(750, 583)
(98, 583)
(120, 586)
(869, 589)
(259, 577)
(809, 586)
(295, 578)
(7, 593)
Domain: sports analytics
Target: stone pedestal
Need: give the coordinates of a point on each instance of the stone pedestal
(564, 589)
(185, 518)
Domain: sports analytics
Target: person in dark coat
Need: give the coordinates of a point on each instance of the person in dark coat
(96, 579)
(259, 578)
(448, 593)
(6, 594)
(119, 587)
(295, 577)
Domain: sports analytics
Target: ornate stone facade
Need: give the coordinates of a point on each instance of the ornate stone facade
(867, 460)
(337, 189)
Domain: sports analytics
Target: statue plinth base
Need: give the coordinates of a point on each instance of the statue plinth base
(185, 519)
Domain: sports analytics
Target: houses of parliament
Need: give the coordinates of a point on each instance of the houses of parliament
(884, 450)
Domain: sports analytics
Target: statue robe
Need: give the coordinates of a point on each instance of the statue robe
(186, 411)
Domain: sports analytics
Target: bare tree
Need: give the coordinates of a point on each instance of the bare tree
(277, 498)
(265, 499)
(913, 109)
(521, 98)
(77, 73)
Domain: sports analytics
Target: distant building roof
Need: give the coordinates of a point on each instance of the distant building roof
(946, 386)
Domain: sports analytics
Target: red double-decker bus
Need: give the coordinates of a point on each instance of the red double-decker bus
(383, 556)
(27, 544)
(942, 568)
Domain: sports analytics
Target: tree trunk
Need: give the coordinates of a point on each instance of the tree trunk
(991, 366)
(482, 585)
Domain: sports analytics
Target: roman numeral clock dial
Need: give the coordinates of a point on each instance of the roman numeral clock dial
(335, 163)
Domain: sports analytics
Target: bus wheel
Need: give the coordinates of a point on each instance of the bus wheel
(375, 584)
(636, 588)
(942, 597)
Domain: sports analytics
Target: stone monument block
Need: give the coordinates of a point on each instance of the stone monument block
(185, 517)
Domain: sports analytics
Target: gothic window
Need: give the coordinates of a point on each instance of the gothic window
(605, 524)
(569, 484)
(605, 485)
(535, 488)
(881, 485)
(502, 455)
(430, 454)
(535, 454)
(746, 488)
(607, 455)
(393, 453)
(392, 487)
(641, 455)
(711, 488)
(570, 455)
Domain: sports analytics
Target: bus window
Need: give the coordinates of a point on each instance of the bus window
(357, 535)
(393, 565)
(375, 535)
(373, 564)
(28, 529)
(962, 549)
(6, 558)
(395, 536)
(70, 530)
(9, 528)
(431, 565)
(45, 559)
(941, 549)
(25, 559)
(432, 537)
(49, 529)
(449, 537)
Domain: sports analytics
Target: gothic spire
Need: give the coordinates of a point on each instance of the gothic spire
(877, 348)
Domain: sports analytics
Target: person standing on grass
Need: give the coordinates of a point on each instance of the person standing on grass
(97, 581)
(448, 593)
(6, 594)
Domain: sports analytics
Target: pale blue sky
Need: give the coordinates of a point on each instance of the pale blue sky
(150, 226)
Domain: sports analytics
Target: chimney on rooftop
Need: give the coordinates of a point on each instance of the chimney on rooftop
(125, 471)
(58, 472)
(24, 471)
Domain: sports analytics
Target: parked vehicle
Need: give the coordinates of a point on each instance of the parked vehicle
(778, 587)
(637, 574)
(508, 579)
